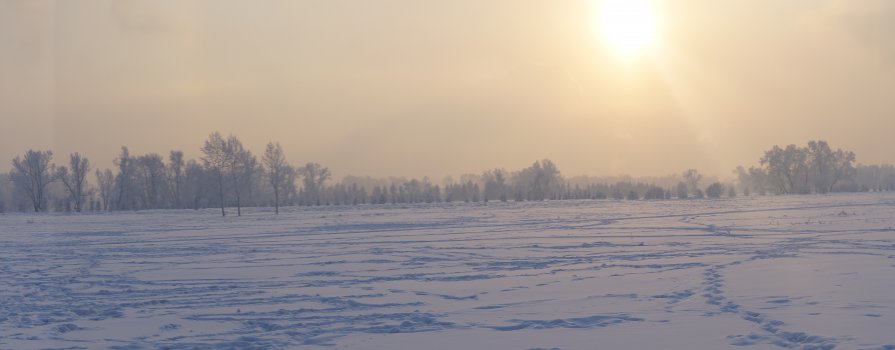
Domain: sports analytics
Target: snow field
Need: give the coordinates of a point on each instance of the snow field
(795, 272)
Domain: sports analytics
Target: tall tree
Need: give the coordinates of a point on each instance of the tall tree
(777, 171)
(75, 180)
(196, 181)
(843, 167)
(124, 162)
(216, 160)
(714, 190)
(788, 168)
(314, 176)
(175, 177)
(796, 160)
(797, 169)
(683, 191)
(278, 170)
(241, 165)
(691, 178)
(32, 173)
(495, 184)
(105, 182)
(150, 177)
(820, 161)
(540, 181)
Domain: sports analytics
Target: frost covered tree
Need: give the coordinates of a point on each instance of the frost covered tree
(787, 168)
(4, 194)
(313, 178)
(654, 192)
(278, 171)
(75, 179)
(843, 168)
(820, 158)
(216, 159)
(714, 190)
(752, 180)
(198, 185)
(691, 178)
(496, 187)
(150, 179)
(105, 184)
(795, 169)
(176, 166)
(777, 170)
(124, 180)
(875, 178)
(289, 191)
(540, 181)
(828, 167)
(32, 173)
(682, 190)
(241, 164)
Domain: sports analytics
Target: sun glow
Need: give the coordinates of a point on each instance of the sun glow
(629, 27)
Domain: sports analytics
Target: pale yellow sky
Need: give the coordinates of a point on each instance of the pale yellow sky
(410, 87)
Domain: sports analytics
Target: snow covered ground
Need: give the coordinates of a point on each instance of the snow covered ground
(802, 272)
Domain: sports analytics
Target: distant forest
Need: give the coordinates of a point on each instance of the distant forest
(230, 176)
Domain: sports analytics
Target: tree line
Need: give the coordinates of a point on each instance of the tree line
(814, 168)
(229, 175)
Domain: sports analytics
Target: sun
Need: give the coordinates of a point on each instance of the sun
(629, 27)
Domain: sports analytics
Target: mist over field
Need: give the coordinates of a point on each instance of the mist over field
(417, 88)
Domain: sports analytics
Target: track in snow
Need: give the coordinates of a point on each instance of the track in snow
(803, 272)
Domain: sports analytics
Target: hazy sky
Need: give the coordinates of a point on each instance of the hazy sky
(412, 87)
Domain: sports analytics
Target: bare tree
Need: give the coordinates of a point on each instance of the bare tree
(792, 164)
(753, 180)
(828, 167)
(150, 177)
(843, 167)
(538, 182)
(797, 169)
(196, 181)
(227, 157)
(278, 170)
(216, 160)
(798, 160)
(314, 177)
(124, 162)
(692, 178)
(32, 174)
(290, 190)
(75, 180)
(241, 164)
(683, 191)
(175, 177)
(820, 159)
(714, 190)
(495, 185)
(105, 182)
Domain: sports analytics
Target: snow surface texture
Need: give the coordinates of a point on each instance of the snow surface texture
(798, 272)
